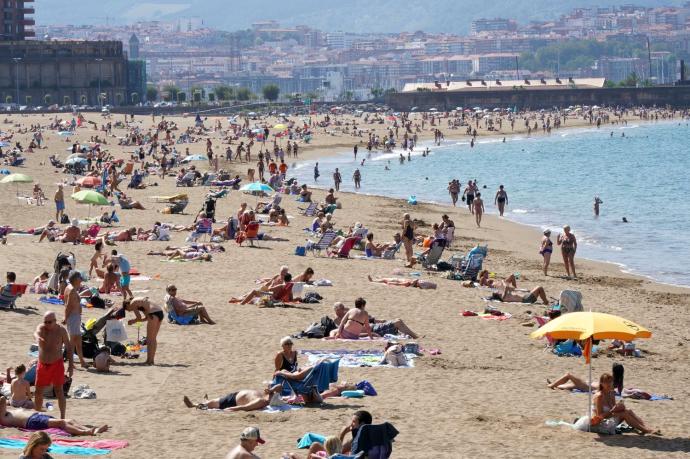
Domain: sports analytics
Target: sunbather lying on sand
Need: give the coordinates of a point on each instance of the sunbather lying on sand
(402, 282)
(190, 256)
(571, 382)
(242, 400)
(507, 296)
(32, 420)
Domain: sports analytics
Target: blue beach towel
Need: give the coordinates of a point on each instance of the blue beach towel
(309, 438)
(56, 449)
(50, 300)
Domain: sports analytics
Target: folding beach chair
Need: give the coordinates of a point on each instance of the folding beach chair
(434, 255)
(204, 226)
(310, 211)
(469, 267)
(389, 254)
(323, 243)
(344, 251)
(375, 440)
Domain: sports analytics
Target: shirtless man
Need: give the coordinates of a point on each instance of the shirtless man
(73, 314)
(50, 371)
(243, 400)
(249, 440)
(280, 292)
(24, 419)
(72, 233)
(59, 199)
(402, 282)
(478, 205)
(509, 297)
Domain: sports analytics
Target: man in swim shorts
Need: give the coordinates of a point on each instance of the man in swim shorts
(243, 400)
(532, 297)
(25, 419)
(125, 279)
(50, 371)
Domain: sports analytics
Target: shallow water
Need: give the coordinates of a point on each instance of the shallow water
(552, 180)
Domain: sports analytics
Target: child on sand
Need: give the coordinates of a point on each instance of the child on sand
(21, 390)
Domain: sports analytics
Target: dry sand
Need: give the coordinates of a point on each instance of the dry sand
(485, 395)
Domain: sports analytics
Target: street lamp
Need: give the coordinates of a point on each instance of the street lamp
(16, 64)
(100, 102)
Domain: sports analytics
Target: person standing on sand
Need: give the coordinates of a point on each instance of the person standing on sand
(597, 203)
(546, 250)
(357, 177)
(337, 179)
(59, 203)
(408, 239)
(501, 199)
(478, 204)
(50, 371)
(568, 245)
(73, 314)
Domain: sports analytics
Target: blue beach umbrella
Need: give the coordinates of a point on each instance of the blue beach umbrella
(5, 171)
(75, 160)
(257, 186)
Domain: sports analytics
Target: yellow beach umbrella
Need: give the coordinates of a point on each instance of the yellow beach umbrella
(17, 179)
(588, 326)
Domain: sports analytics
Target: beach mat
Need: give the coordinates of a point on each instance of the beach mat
(9, 443)
(354, 359)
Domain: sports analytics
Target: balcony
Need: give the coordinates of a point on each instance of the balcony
(27, 11)
(27, 22)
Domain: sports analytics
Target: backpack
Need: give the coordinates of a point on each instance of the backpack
(65, 219)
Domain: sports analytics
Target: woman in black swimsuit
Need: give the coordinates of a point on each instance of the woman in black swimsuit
(286, 360)
(568, 245)
(408, 238)
(150, 313)
(501, 200)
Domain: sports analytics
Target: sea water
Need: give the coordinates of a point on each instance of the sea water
(640, 171)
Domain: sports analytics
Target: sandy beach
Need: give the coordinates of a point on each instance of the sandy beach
(485, 394)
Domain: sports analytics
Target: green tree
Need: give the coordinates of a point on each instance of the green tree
(376, 92)
(348, 95)
(224, 92)
(609, 84)
(151, 93)
(243, 94)
(181, 97)
(271, 92)
(170, 92)
(631, 80)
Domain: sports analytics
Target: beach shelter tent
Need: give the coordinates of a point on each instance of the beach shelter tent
(588, 326)
(17, 179)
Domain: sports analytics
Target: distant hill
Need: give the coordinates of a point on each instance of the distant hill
(452, 16)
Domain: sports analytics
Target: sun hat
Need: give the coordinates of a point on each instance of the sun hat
(547, 232)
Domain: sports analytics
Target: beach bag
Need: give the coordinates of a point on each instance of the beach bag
(115, 331)
(327, 325)
(444, 266)
(314, 331)
(300, 251)
(312, 298)
(65, 219)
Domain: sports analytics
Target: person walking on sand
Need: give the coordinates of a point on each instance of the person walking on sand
(468, 195)
(59, 199)
(501, 199)
(597, 203)
(50, 370)
(568, 245)
(357, 177)
(337, 179)
(73, 314)
(546, 250)
(478, 204)
(454, 190)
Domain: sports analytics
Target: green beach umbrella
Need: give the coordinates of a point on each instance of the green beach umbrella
(17, 179)
(90, 197)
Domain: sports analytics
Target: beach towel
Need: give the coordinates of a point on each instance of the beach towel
(309, 438)
(51, 300)
(269, 409)
(634, 394)
(55, 449)
(504, 316)
(352, 359)
(366, 338)
(99, 444)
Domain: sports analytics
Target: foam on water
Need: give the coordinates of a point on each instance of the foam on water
(552, 181)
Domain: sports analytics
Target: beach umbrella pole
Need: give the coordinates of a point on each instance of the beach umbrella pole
(589, 407)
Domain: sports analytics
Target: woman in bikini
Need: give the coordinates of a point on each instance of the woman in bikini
(150, 313)
(408, 239)
(546, 249)
(501, 199)
(568, 245)
(286, 359)
(355, 322)
(609, 413)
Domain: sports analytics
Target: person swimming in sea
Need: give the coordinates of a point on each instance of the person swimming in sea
(597, 203)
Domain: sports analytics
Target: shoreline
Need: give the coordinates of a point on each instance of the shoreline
(621, 267)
